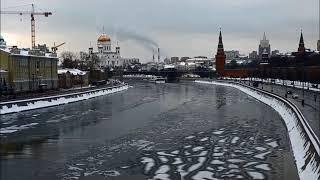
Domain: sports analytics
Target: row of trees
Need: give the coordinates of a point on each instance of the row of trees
(80, 61)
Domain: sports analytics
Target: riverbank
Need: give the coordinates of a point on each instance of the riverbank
(304, 142)
(48, 101)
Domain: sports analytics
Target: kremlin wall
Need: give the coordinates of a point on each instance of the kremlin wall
(302, 65)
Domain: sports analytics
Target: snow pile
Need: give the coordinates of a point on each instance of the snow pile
(304, 145)
(59, 101)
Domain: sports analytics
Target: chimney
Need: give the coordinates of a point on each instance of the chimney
(153, 55)
(158, 55)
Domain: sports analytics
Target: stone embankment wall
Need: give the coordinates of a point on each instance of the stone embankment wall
(37, 103)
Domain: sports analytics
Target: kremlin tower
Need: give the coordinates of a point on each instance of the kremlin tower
(301, 48)
(220, 57)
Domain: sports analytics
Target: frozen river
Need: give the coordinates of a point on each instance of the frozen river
(160, 131)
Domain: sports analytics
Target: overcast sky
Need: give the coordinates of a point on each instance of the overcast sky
(178, 27)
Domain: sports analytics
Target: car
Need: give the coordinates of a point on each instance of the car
(289, 92)
(295, 96)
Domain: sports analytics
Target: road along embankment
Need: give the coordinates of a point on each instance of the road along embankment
(304, 143)
(37, 103)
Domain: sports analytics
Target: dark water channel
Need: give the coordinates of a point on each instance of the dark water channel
(161, 131)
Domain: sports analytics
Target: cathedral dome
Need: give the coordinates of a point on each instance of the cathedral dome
(104, 38)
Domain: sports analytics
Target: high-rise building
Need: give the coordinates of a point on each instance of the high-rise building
(264, 45)
(264, 57)
(318, 45)
(220, 57)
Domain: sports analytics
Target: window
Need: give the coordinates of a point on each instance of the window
(38, 66)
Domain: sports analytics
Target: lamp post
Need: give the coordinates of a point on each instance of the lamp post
(286, 84)
(303, 79)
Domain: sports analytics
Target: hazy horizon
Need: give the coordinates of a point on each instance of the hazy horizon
(179, 27)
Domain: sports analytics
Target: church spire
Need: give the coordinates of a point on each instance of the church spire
(220, 57)
(264, 36)
(301, 44)
(220, 45)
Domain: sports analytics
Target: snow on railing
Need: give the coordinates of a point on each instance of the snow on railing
(37, 103)
(305, 144)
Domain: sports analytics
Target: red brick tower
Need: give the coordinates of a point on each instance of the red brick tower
(220, 57)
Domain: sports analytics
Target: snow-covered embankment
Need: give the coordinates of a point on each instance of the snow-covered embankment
(304, 143)
(37, 103)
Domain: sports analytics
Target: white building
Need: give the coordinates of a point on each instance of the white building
(200, 60)
(264, 45)
(107, 57)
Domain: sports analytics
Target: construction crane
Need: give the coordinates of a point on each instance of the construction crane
(55, 48)
(32, 14)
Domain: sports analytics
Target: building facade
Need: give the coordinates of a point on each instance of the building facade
(264, 45)
(28, 70)
(174, 60)
(264, 57)
(230, 55)
(253, 55)
(129, 61)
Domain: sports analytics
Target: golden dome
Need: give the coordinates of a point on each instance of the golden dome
(104, 38)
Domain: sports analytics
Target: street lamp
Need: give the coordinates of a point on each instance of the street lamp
(286, 84)
(303, 79)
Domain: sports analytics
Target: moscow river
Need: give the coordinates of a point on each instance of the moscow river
(160, 131)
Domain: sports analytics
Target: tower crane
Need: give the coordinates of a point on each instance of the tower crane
(55, 48)
(32, 13)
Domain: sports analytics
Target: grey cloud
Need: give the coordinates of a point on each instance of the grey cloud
(140, 19)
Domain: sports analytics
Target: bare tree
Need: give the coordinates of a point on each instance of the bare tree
(68, 59)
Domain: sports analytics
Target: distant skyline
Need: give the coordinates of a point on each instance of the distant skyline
(179, 27)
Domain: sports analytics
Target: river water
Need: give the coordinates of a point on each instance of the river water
(160, 131)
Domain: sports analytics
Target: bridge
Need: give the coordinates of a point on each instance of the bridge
(171, 74)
